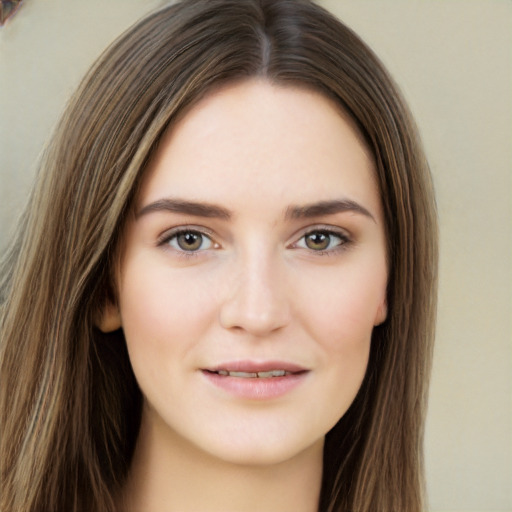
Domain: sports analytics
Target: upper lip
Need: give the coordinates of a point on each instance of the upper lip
(257, 366)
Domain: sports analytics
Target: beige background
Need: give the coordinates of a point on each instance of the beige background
(453, 59)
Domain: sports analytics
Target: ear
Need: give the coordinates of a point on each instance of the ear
(382, 312)
(109, 319)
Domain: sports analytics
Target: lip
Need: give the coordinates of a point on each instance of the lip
(256, 388)
(257, 366)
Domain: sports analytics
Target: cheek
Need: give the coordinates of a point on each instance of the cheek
(339, 314)
(345, 338)
(163, 309)
(342, 308)
(342, 331)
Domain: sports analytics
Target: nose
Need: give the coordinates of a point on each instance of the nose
(257, 299)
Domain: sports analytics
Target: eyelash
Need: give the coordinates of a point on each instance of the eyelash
(344, 240)
(168, 236)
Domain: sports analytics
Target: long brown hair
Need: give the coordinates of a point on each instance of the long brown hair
(69, 404)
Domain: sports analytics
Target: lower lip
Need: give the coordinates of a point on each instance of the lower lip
(256, 388)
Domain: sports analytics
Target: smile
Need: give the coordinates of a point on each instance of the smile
(254, 375)
(250, 380)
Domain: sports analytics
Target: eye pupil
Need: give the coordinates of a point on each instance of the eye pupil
(190, 241)
(318, 241)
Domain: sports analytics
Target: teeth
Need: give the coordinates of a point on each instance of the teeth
(244, 375)
(273, 373)
(254, 375)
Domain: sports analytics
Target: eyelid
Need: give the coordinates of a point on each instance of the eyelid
(336, 231)
(173, 232)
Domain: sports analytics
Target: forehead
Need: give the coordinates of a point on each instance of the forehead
(258, 138)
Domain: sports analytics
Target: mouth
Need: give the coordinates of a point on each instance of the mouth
(255, 380)
(254, 375)
(256, 370)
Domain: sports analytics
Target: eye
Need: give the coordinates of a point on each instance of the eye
(188, 241)
(322, 240)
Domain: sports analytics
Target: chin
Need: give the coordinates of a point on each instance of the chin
(259, 445)
(264, 453)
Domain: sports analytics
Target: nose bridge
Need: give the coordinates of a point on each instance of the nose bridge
(258, 300)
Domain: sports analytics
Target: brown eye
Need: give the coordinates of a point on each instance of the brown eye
(318, 241)
(322, 240)
(189, 241)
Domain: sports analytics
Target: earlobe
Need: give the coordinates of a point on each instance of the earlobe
(382, 313)
(109, 319)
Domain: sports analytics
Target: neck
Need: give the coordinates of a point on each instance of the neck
(175, 475)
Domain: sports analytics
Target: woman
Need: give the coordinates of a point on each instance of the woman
(222, 293)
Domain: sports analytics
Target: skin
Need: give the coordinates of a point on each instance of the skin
(259, 284)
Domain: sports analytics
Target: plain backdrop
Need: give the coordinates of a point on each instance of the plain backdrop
(453, 60)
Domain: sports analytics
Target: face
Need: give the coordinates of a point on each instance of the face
(253, 272)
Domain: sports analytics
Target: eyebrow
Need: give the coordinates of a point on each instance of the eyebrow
(212, 211)
(186, 207)
(327, 208)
